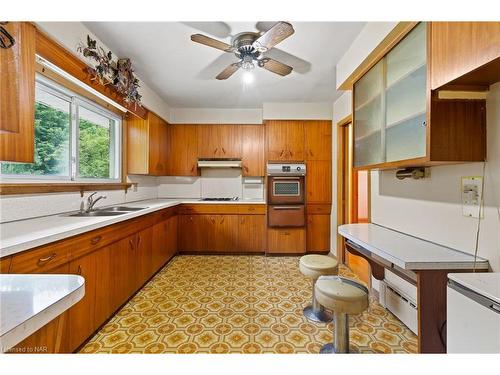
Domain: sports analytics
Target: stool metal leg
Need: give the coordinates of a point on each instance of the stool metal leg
(341, 337)
(315, 312)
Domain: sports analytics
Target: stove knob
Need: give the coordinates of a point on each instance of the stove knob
(298, 169)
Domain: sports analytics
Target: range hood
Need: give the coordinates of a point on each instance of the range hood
(219, 163)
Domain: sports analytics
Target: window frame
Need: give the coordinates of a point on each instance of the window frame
(75, 101)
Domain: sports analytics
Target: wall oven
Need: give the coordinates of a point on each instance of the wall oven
(286, 195)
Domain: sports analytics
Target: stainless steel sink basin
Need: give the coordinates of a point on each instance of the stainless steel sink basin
(98, 213)
(121, 208)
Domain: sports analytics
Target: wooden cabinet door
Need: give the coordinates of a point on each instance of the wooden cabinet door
(137, 145)
(219, 141)
(124, 270)
(319, 181)
(157, 145)
(17, 94)
(318, 140)
(253, 157)
(251, 233)
(286, 240)
(285, 140)
(183, 150)
(171, 239)
(144, 256)
(224, 235)
(193, 232)
(229, 141)
(159, 244)
(53, 337)
(106, 276)
(81, 318)
(318, 233)
(458, 48)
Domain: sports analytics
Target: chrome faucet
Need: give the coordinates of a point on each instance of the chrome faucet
(91, 201)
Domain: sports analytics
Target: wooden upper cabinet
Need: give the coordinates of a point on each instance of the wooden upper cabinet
(285, 140)
(459, 48)
(400, 122)
(147, 145)
(318, 140)
(219, 141)
(319, 181)
(183, 150)
(253, 157)
(17, 94)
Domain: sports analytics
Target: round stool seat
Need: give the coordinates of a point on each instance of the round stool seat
(341, 294)
(314, 265)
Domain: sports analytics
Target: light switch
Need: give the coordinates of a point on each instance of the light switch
(472, 190)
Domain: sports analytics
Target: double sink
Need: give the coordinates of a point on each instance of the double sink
(108, 211)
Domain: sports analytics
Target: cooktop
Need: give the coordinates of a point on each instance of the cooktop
(220, 199)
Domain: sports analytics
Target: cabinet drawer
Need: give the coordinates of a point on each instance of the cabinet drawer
(208, 209)
(252, 209)
(286, 240)
(41, 260)
(319, 209)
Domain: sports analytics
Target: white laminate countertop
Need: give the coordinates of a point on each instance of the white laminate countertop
(28, 302)
(26, 234)
(408, 252)
(485, 283)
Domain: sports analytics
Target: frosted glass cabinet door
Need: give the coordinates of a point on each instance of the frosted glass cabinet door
(405, 96)
(368, 117)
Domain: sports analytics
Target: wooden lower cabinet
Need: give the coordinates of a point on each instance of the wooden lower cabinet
(318, 233)
(164, 242)
(286, 240)
(252, 233)
(81, 316)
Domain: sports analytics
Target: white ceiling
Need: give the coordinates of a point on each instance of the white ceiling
(183, 72)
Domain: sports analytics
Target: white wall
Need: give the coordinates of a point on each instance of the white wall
(341, 109)
(370, 37)
(432, 209)
(215, 116)
(297, 111)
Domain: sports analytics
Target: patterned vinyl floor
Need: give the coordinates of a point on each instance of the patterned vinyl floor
(237, 304)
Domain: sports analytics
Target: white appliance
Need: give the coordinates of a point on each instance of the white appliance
(399, 297)
(473, 313)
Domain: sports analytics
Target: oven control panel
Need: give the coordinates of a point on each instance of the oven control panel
(289, 169)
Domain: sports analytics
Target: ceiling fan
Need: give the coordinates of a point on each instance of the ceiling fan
(250, 48)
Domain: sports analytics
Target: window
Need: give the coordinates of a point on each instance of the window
(75, 139)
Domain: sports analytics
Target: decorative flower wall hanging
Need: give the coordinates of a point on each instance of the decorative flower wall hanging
(119, 74)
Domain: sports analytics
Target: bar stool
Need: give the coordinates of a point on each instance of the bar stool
(345, 297)
(314, 266)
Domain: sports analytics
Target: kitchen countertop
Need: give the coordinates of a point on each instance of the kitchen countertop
(26, 234)
(28, 302)
(408, 252)
(484, 283)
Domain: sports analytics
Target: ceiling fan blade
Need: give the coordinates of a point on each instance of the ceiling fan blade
(202, 39)
(228, 72)
(276, 67)
(273, 36)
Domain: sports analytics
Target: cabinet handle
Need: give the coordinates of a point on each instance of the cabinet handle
(138, 241)
(131, 243)
(95, 240)
(42, 261)
(216, 149)
(79, 271)
(222, 221)
(286, 233)
(224, 151)
(251, 209)
(281, 153)
(245, 168)
(311, 153)
(191, 218)
(290, 152)
(192, 168)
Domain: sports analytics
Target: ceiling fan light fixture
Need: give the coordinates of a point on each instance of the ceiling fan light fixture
(247, 63)
(248, 77)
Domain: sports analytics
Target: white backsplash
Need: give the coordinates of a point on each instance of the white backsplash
(18, 207)
(221, 183)
(179, 187)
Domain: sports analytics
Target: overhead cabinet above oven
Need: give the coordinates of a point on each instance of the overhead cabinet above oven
(399, 122)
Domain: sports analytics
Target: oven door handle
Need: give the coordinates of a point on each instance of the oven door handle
(286, 178)
(287, 208)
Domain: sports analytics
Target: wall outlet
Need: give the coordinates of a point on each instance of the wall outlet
(472, 191)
